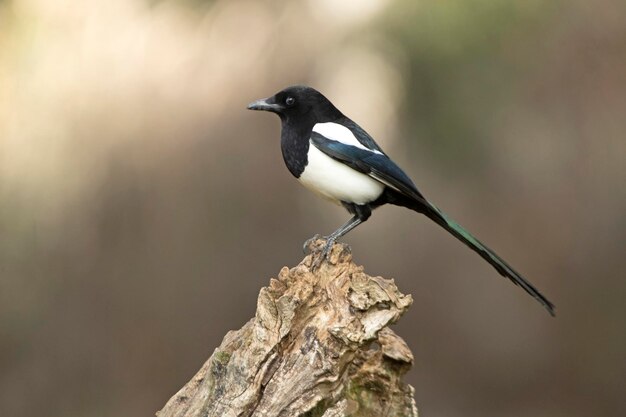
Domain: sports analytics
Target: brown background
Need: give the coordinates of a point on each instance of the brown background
(142, 207)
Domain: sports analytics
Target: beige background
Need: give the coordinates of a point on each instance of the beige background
(142, 207)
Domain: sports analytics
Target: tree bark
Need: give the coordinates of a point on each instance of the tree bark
(318, 346)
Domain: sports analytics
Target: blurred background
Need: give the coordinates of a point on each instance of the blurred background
(142, 207)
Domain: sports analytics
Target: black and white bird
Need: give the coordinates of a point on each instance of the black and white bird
(334, 157)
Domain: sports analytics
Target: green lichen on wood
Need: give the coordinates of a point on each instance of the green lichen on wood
(317, 411)
(221, 357)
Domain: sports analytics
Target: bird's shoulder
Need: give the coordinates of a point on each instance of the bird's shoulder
(346, 131)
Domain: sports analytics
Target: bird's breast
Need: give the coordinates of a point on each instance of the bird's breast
(336, 181)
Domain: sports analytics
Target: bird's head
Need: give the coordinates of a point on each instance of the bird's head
(298, 102)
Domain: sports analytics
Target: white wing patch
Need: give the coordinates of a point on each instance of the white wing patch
(340, 133)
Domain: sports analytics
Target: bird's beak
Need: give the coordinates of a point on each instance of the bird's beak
(266, 104)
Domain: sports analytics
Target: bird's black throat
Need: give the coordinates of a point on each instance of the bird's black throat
(294, 143)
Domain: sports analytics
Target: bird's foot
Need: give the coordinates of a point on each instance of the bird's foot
(306, 247)
(319, 255)
(323, 256)
(327, 247)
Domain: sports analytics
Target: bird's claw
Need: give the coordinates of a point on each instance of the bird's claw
(324, 254)
(327, 247)
(307, 244)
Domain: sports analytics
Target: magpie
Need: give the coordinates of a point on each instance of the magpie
(334, 157)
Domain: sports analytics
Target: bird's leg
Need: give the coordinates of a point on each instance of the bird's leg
(360, 213)
(330, 239)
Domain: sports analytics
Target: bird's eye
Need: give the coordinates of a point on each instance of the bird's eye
(290, 101)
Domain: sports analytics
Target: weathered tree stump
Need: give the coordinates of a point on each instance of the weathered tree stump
(318, 346)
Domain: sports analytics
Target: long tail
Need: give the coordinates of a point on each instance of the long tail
(433, 213)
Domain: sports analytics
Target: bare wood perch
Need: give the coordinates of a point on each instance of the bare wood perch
(319, 346)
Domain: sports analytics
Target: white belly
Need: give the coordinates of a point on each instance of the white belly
(338, 182)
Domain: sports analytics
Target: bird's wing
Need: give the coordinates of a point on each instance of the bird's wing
(341, 145)
(360, 134)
